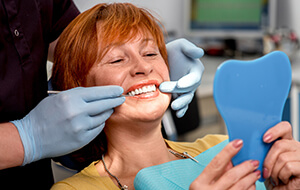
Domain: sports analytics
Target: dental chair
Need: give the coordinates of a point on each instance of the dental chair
(172, 126)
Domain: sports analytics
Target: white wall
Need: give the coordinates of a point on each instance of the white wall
(288, 14)
(170, 12)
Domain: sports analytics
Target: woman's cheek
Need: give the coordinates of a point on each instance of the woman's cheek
(166, 74)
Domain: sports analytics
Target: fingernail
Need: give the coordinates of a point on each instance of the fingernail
(255, 163)
(267, 138)
(237, 143)
(257, 172)
(266, 173)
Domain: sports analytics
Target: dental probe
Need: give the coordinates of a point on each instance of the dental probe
(50, 92)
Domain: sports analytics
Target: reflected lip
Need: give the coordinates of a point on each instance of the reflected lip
(141, 84)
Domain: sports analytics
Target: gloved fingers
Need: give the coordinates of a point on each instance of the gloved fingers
(191, 50)
(180, 113)
(172, 87)
(189, 80)
(168, 86)
(182, 101)
(98, 121)
(97, 107)
(88, 129)
(95, 93)
(91, 134)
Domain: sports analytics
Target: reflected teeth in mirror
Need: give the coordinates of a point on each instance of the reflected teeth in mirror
(144, 89)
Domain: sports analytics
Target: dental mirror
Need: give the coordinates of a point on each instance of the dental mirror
(250, 96)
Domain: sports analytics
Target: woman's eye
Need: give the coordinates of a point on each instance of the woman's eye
(151, 54)
(116, 61)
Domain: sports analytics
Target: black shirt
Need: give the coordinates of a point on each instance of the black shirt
(26, 29)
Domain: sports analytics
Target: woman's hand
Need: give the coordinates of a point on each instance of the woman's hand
(220, 174)
(282, 163)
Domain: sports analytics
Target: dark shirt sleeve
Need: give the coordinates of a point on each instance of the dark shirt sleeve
(64, 11)
(27, 28)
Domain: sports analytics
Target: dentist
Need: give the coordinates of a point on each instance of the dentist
(33, 126)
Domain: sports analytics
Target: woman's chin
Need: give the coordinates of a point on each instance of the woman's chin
(139, 114)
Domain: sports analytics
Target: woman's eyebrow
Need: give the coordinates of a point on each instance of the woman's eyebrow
(143, 42)
(146, 40)
(109, 46)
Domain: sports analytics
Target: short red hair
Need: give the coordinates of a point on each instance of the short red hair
(84, 42)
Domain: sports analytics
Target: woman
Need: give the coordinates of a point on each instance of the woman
(120, 44)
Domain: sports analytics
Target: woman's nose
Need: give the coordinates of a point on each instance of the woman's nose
(141, 66)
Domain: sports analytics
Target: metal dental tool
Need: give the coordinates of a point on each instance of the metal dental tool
(51, 92)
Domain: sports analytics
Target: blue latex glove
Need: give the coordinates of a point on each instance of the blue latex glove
(65, 122)
(185, 72)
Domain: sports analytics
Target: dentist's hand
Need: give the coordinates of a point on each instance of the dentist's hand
(185, 72)
(65, 122)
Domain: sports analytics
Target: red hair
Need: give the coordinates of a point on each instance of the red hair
(86, 40)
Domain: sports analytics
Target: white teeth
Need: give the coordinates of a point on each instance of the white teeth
(144, 89)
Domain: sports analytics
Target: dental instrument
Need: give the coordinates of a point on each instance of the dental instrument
(51, 92)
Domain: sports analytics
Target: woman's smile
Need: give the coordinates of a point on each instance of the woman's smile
(144, 90)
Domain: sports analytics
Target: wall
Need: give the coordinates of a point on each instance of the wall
(171, 13)
(168, 11)
(288, 14)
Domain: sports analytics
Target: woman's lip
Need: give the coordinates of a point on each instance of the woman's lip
(147, 95)
(141, 84)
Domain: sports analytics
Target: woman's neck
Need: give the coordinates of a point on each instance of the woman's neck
(133, 147)
(139, 143)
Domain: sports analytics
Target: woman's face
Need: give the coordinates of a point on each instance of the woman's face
(138, 67)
